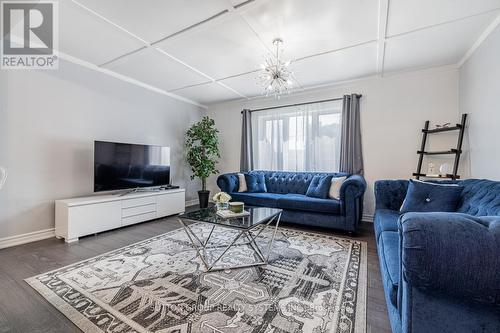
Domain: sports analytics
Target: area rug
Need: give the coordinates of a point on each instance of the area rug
(313, 283)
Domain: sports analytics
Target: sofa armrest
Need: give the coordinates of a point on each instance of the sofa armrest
(390, 194)
(228, 182)
(356, 185)
(452, 253)
(351, 201)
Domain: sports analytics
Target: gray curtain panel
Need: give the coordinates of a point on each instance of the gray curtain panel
(351, 153)
(246, 158)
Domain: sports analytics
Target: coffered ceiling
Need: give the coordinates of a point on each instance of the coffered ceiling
(209, 50)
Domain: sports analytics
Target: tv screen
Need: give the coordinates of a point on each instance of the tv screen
(120, 166)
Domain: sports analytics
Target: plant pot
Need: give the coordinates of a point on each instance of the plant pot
(203, 196)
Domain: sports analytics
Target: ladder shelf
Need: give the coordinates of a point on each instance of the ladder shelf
(442, 129)
(453, 151)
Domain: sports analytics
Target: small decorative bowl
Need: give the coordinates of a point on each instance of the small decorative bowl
(236, 207)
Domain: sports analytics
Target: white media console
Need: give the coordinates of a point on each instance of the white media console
(89, 215)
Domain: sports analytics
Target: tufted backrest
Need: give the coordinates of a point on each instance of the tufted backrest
(283, 182)
(480, 197)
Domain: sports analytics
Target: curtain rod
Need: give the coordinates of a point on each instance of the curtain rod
(299, 104)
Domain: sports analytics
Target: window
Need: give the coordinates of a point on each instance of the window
(298, 138)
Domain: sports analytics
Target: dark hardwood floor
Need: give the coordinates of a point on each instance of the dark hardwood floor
(22, 309)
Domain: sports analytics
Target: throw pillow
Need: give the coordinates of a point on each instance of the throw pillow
(242, 183)
(256, 183)
(431, 197)
(319, 186)
(336, 184)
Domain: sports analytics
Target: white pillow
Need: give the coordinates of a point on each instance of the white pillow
(334, 192)
(243, 183)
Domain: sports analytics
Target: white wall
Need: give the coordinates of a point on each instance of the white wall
(48, 122)
(393, 110)
(479, 97)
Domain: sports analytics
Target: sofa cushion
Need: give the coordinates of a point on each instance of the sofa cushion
(319, 187)
(429, 197)
(242, 182)
(303, 202)
(335, 186)
(480, 197)
(389, 261)
(256, 183)
(284, 182)
(385, 220)
(257, 199)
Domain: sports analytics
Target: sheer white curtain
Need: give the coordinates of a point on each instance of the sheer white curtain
(298, 138)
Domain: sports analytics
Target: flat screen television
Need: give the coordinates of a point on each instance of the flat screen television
(119, 166)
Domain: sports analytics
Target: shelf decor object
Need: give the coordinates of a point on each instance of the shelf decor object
(453, 151)
(221, 200)
(275, 76)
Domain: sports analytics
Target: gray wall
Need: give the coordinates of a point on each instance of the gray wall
(479, 97)
(48, 122)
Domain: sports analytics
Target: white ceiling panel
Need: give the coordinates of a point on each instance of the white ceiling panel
(85, 36)
(310, 27)
(247, 84)
(156, 19)
(337, 66)
(234, 42)
(408, 15)
(156, 69)
(440, 45)
(207, 93)
(220, 48)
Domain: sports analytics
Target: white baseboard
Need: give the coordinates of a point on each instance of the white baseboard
(26, 238)
(367, 218)
(192, 202)
(46, 233)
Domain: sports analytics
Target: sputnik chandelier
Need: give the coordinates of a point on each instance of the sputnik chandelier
(275, 76)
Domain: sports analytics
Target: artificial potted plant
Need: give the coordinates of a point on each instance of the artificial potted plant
(202, 143)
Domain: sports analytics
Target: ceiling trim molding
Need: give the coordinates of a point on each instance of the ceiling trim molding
(191, 27)
(336, 50)
(296, 60)
(264, 44)
(383, 17)
(121, 77)
(123, 56)
(442, 23)
(150, 45)
(211, 79)
(239, 10)
(119, 27)
(229, 12)
(390, 74)
(484, 35)
(124, 78)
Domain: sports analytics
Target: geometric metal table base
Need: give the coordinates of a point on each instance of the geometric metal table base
(202, 246)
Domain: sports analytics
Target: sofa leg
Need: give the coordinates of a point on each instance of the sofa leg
(350, 233)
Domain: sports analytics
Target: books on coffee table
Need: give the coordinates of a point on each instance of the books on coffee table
(227, 214)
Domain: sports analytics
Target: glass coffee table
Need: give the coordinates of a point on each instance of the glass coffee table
(248, 228)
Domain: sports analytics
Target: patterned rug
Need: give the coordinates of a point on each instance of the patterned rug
(313, 283)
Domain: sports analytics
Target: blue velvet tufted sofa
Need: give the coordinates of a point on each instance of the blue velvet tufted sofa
(441, 271)
(286, 190)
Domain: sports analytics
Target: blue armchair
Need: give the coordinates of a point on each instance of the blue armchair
(441, 271)
(286, 190)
